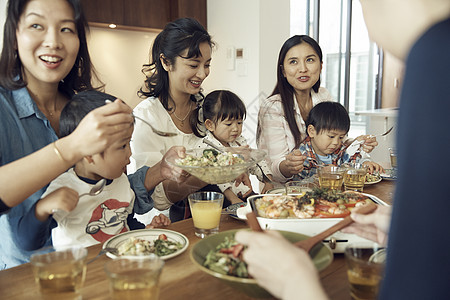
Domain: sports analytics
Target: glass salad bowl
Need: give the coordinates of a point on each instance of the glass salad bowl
(215, 167)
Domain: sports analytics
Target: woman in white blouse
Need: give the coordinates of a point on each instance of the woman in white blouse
(281, 119)
(180, 61)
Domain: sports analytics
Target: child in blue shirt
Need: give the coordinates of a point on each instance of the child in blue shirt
(326, 127)
(90, 219)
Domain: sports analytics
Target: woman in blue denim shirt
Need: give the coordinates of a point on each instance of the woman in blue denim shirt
(44, 61)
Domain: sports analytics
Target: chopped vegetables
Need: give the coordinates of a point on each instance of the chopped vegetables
(372, 178)
(161, 246)
(226, 259)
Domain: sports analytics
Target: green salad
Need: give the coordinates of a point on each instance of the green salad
(227, 259)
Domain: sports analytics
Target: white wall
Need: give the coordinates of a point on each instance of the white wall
(259, 28)
(2, 19)
(118, 56)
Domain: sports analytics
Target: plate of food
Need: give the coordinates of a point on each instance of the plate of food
(310, 214)
(231, 209)
(372, 179)
(219, 255)
(389, 174)
(137, 243)
(317, 203)
(216, 167)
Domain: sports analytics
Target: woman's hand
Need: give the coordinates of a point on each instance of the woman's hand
(370, 142)
(293, 164)
(292, 270)
(373, 226)
(98, 130)
(171, 172)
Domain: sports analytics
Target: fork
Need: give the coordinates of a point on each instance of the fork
(265, 178)
(370, 136)
(104, 251)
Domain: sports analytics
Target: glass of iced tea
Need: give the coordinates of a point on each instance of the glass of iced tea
(206, 209)
(331, 177)
(355, 177)
(137, 278)
(365, 269)
(60, 272)
(298, 188)
(393, 157)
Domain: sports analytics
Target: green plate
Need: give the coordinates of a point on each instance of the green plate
(320, 254)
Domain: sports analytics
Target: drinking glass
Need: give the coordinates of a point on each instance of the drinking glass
(393, 157)
(137, 278)
(355, 177)
(206, 209)
(60, 272)
(298, 187)
(331, 177)
(365, 269)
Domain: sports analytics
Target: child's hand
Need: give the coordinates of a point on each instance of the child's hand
(373, 167)
(159, 221)
(267, 186)
(244, 179)
(64, 198)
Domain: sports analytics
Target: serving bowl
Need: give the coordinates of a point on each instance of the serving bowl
(321, 256)
(336, 242)
(221, 174)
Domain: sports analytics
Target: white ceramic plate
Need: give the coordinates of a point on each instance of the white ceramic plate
(149, 235)
(231, 210)
(389, 174)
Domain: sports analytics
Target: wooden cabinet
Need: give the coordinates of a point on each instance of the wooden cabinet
(104, 11)
(142, 14)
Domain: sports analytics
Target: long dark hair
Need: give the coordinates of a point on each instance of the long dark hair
(220, 105)
(177, 36)
(285, 90)
(79, 77)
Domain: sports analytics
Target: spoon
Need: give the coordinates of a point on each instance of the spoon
(95, 190)
(104, 251)
(309, 243)
(158, 132)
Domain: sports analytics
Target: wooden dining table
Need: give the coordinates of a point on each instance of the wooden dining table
(181, 278)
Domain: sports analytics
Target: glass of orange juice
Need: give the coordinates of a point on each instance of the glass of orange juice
(206, 208)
